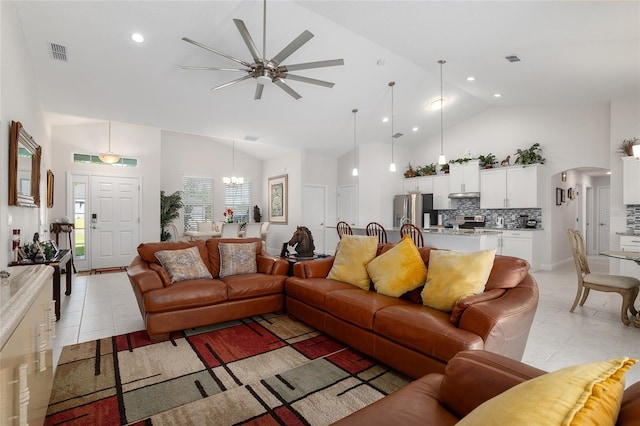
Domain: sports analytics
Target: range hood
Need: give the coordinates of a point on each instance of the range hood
(458, 195)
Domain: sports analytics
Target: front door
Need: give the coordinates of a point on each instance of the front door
(314, 214)
(114, 220)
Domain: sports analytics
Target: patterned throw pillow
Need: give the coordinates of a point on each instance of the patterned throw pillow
(183, 264)
(237, 258)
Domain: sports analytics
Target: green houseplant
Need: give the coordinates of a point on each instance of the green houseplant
(170, 206)
(427, 170)
(444, 168)
(487, 161)
(530, 155)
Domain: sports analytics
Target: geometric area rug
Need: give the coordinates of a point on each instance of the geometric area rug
(264, 370)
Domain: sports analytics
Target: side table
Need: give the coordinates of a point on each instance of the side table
(64, 228)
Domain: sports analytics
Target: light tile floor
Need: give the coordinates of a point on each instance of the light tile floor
(104, 305)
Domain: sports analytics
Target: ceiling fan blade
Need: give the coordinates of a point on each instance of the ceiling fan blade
(210, 49)
(281, 84)
(188, 67)
(309, 80)
(244, 32)
(292, 47)
(258, 94)
(308, 65)
(237, 80)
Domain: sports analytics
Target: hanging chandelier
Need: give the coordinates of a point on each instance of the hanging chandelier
(392, 166)
(233, 180)
(109, 157)
(354, 172)
(442, 159)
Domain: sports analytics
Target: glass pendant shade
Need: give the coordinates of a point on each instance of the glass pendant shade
(109, 157)
(442, 160)
(392, 167)
(354, 172)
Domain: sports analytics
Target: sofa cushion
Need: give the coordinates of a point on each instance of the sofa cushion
(213, 251)
(313, 290)
(425, 330)
(398, 270)
(238, 258)
(587, 394)
(350, 264)
(188, 294)
(246, 286)
(185, 264)
(454, 275)
(357, 306)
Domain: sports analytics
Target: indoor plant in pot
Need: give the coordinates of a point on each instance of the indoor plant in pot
(170, 206)
(487, 161)
(530, 155)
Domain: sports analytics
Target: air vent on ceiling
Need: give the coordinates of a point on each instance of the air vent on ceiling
(250, 138)
(512, 58)
(397, 135)
(58, 52)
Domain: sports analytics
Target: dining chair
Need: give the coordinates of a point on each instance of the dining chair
(204, 226)
(375, 229)
(230, 230)
(253, 230)
(175, 234)
(627, 287)
(414, 232)
(343, 228)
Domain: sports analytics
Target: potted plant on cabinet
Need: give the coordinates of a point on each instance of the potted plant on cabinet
(410, 172)
(530, 155)
(626, 146)
(428, 170)
(444, 168)
(487, 161)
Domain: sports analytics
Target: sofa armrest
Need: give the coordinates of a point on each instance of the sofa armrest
(473, 377)
(271, 265)
(317, 268)
(142, 277)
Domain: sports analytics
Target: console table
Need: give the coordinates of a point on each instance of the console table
(62, 258)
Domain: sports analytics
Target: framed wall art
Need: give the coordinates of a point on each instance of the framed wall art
(278, 199)
(559, 196)
(49, 188)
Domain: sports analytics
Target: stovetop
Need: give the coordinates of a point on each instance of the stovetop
(471, 221)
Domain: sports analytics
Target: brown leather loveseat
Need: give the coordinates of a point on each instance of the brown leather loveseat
(167, 307)
(403, 333)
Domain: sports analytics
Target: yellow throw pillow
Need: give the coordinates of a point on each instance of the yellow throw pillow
(454, 275)
(350, 264)
(587, 394)
(398, 270)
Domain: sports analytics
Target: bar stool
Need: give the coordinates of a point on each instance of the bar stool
(375, 229)
(413, 231)
(343, 228)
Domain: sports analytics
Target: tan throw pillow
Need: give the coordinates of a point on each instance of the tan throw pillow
(183, 264)
(454, 275)
(398, 270)
(587, 394)
(350, 264)
(237, 258)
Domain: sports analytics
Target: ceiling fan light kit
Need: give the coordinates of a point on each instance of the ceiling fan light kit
(265, 71)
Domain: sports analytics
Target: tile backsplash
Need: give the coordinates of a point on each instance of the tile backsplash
(471, 207)
(633, 218)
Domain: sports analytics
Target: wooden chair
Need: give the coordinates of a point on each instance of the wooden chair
(343, 228)
(627, 287)
(375, 229)
(413, 231)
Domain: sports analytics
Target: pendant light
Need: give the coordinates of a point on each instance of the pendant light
(233, 180)
(355, 148)
(109, 157)
(392, 166)
(441, 160)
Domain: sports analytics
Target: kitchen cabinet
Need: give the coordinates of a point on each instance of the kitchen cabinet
(464, 177)
(520, 244)
(630, 179)
(509, 188)
(627, 267)
(411, 185)
(441, 200)
(422, 184)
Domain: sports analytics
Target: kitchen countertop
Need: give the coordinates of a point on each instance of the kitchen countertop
(628, 234)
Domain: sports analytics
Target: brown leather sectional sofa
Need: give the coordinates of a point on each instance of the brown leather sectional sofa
(406, 335)
(470, 378)
(169, 307)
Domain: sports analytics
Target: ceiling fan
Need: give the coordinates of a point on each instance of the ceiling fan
(265, 71)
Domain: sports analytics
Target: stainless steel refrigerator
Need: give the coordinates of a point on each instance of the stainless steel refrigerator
(411, 208)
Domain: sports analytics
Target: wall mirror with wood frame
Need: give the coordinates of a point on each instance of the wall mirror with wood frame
(24, 168)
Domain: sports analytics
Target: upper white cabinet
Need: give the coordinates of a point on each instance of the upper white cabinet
(464, 177)
(441, 200)
(422, 184)
(630, 180)
(509, 188)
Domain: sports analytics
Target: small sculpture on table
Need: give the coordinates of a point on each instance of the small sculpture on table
(256, 214)
(303, 242)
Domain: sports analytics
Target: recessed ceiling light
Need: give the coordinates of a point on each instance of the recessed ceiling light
(385, 119)
(437, 104)
(137, 37)
(415, 129)
(497, 95)
(471, 78)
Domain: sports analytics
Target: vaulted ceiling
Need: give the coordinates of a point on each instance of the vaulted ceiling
(571, 52)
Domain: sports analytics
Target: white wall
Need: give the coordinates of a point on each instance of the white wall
(19, 101)
(192, 155)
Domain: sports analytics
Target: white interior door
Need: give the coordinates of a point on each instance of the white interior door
(348, 204)
(603, 219)
(314, 215)
(114, 220)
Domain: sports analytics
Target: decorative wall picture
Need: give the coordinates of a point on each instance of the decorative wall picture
(278, 199)
(559, 196)
(571, 193)
(49, 188)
